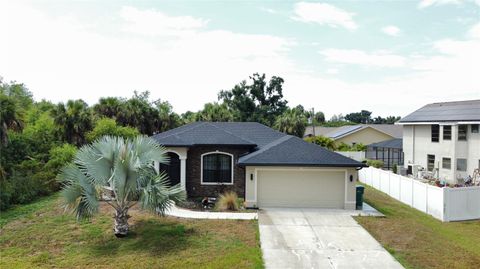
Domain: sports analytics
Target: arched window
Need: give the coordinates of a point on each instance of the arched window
(217, 168)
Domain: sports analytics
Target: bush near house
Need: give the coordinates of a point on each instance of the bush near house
(375, 163)
(322, 141)
(229, 201)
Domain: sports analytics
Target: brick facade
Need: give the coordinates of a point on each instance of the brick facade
(194, 187)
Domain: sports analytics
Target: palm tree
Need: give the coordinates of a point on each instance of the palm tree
(74, 120)
(10, 118)
(121, 172)
(293, 121)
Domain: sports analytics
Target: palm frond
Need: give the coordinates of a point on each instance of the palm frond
(79, 192)
(158, 197)
(148, 150)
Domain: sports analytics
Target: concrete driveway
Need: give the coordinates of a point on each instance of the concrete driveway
(318, 238)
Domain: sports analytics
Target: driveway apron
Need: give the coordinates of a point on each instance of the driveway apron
(318, 238)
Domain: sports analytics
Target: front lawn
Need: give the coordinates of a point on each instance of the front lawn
(418, 240)
(40, 236)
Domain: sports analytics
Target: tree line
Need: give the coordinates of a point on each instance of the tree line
(38, 137)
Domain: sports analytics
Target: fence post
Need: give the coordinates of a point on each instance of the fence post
(413, 186)
(426, 198)
(389, 185)
(445, 198)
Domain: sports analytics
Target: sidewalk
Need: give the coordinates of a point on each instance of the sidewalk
(191, 214)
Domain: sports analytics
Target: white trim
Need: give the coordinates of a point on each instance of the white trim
(201, 168)
(438, 123)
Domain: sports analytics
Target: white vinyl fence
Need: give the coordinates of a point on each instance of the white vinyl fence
(356, 155)
(445, 204)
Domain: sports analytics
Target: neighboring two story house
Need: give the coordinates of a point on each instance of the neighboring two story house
(444, 139)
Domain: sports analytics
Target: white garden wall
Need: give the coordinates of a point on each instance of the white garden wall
(445, 204)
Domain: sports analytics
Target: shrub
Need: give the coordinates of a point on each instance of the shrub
(375, 163)
(228, 201)
(322, 141)
(395, 168)
(60, 156)
(106, 126)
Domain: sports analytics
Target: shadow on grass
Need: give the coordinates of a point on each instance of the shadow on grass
(153, 236)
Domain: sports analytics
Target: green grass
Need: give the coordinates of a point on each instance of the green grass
(418, 240)
(39, 235)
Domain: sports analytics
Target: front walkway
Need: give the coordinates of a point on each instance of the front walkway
(319, 238)
(191, 214)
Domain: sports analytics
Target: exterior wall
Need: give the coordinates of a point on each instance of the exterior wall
(194, 186)
(252, 173)
(365, 136)
(417, 145)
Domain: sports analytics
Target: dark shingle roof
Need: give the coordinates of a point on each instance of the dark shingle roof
(293, 151)
(448, 111)
(393, 143)
(272, 147)
(201, 133)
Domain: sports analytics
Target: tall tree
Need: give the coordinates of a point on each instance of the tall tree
(259, 101)
(74, 120)
(319, 117)
(123, 171)
(166, 119)
(292, 121)
(110, 107)
(15, 100)
(215, 112)
(10, 117)
(363, 116)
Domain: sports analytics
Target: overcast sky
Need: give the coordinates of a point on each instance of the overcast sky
(390, 57)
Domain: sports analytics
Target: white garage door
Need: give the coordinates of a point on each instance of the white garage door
(300, 188)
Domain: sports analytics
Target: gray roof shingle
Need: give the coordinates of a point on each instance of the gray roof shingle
(270, 147)
(396, 143)
(447, 111)
(293, 151)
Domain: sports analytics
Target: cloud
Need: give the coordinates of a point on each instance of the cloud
(324, 14)
(66, 58)
(429, 3)
(153, 22)
(391, 30)
(474, 32)
(359, 57)
(332, 71)
(70, 57)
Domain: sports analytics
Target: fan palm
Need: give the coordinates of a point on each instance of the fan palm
(122, 173)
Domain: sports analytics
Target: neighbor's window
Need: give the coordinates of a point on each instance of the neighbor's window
(461, 164)
(475, 128)
(435, 133)
(217, 168)
(446, 163)
(430, 162)
(462, 132)
(447, 132)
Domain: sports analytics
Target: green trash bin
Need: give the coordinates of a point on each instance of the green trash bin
(359, 196)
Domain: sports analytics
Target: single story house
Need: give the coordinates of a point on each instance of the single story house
(265, 167)
(390, 152)
(443, 139)
(355, 134)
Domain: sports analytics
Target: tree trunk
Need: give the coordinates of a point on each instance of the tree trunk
(121, 222)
